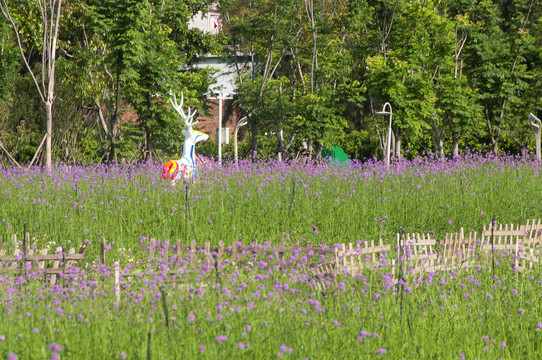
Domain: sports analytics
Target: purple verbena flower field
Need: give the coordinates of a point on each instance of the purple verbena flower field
(263, 309)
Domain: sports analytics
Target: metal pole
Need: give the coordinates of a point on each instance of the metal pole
(281, 139)
(388, 145)
(537, 127)
(220, 97)
(389, 138)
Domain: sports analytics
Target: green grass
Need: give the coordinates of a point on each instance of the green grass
(328, 205)
(429, 317)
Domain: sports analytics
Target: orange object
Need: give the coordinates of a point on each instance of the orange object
(170, 170)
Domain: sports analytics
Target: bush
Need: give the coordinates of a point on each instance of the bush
(359, 145)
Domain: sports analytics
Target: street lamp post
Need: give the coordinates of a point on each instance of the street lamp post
(221, 95)
(537, 126)
(388, 142)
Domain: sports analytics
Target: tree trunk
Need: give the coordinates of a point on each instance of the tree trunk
(437, 146)
(283, 148)
(115, 117)
(148, 144)
(398, 137)
(455, 144)
(494, 134)
(50, 16)
(49, 131)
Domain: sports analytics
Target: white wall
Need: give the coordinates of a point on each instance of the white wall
(209, 23)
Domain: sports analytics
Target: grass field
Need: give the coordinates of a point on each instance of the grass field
(269, 201)
(228, 312)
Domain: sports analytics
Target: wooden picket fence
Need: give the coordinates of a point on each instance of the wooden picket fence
(25, 260)
(368, 256)
(414, 255)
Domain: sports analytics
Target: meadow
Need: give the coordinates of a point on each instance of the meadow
(267, 201)
(264, 311)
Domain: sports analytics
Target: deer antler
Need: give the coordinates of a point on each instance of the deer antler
(179, 107)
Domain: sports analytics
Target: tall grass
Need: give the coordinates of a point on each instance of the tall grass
(267, 201)
(269, 312)
(252, 314)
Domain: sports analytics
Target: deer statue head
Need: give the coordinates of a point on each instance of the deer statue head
(185, 168)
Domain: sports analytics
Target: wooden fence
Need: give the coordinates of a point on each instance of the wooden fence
(25, 260)
(414, 254)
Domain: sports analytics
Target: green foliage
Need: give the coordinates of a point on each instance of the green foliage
(267, 148)
(359, 145)
(472, 68)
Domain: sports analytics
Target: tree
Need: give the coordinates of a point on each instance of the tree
(130, 53)
(50, 20)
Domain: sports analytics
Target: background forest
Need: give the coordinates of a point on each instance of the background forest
(458, 74)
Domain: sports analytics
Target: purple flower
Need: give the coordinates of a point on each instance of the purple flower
(221, 338)
(201, 348)
(55, 347)
(12, 356)
(122, 356)
(248, 328)
(381, 351)
(485, 338)
(461, 356)
(283, 348)
(55, 357)
(240, 346)
(376, 295)
(2, 337)
(503, 345)
(191, 318)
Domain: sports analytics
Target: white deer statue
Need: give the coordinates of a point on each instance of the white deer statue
(185, 168)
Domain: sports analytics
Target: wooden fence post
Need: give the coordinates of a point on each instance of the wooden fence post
(207, 252)
(235, 250)
(194, 252)
(41, 264)
(281, 254)
(151, 248)
(55, 266)
(14, 240)
(220, 254)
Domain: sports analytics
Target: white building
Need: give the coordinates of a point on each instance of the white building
(208, 23)
(226, 76)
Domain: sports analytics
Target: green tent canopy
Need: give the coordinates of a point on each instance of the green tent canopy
(337, 155)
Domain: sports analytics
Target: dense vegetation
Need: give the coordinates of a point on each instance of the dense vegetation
(271, 201)
(457, 74)
(260, 310)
